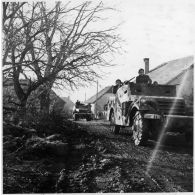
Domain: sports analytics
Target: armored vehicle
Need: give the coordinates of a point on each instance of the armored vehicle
(148, 110)
(82, 111)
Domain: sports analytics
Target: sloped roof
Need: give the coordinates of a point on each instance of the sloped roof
(100, 94)
(8, 90)
(165, 72)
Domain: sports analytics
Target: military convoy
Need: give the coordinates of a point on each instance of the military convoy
(82, 111)
(148, 110)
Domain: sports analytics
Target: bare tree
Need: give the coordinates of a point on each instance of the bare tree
(52, 46)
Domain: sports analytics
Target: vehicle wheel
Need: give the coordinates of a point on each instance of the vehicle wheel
(113, 127)
(88, 118)
(75, 117)
(140, 129)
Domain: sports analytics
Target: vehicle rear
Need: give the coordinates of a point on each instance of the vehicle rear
(82, 111)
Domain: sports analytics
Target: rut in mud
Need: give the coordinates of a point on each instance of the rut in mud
(99, 161)
(172, 168)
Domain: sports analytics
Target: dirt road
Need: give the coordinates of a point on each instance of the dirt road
(116, 165)
(98, 161)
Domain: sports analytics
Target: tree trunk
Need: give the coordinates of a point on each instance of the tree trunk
(44, 101)
(44, 104)
(22, 112)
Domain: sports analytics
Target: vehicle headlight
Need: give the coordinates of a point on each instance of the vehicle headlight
(143, 101)
(77, 109)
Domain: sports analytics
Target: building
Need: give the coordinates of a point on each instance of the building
(179, 72)
(99, 101)
(11, 102)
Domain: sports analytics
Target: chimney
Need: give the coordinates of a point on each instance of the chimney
(146, 61)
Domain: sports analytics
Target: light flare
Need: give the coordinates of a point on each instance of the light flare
(166, 124)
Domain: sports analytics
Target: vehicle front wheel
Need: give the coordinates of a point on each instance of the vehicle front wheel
(140, 129)
(113, 127)
(76, 117)
(88, 118)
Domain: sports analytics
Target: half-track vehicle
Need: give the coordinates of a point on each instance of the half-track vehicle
(148, 110)
(82, 111)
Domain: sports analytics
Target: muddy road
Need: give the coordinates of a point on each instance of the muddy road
(119, 166)
(96, 160)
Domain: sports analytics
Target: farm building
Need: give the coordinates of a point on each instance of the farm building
(10, 101)
(99, 101)
(179, 72)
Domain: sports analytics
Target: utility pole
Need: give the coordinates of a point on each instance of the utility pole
(96, 100)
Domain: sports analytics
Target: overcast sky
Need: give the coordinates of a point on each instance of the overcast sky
(160, 30)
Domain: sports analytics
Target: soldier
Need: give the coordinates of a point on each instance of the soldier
(155, 83)
(142, 78)
(77, 103)
(118, 85)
